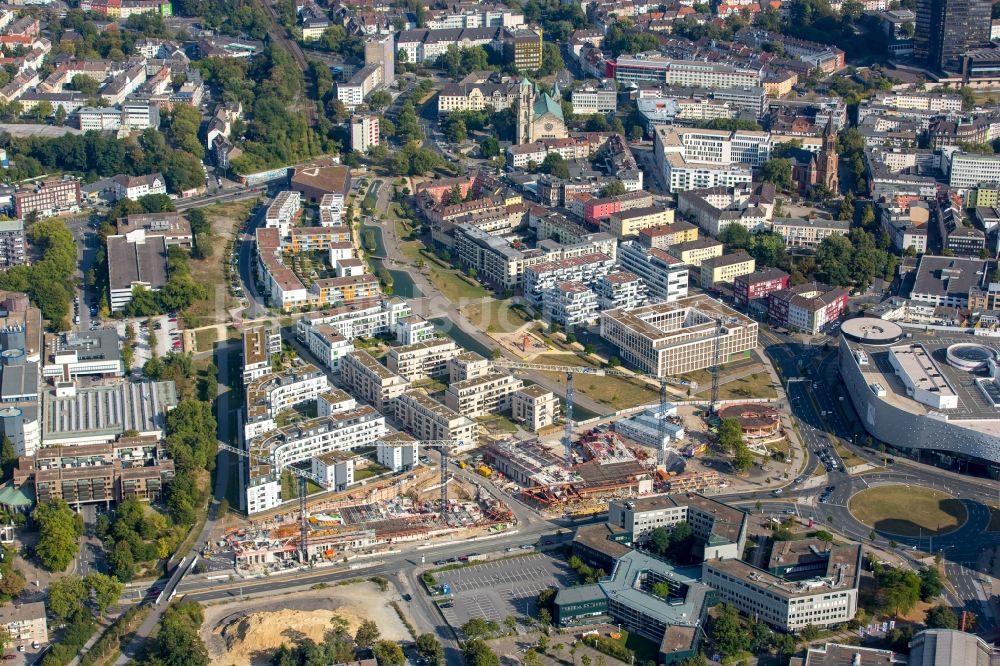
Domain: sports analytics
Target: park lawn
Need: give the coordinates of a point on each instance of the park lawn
(908, 510)
(453, 286)
(205, 338)
(413, 250)
(495, 316)
(616, 392)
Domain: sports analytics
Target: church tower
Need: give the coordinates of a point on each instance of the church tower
(525, 112)
(828, 161)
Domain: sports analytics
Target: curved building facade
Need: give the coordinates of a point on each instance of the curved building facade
(915, 428)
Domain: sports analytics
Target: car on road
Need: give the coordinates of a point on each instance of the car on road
(800, 479)
(407, 597)
(9, 657)
(777, 491)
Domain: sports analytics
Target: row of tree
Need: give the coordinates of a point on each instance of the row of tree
(49, 281)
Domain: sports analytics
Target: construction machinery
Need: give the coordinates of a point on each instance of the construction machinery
(571, 370)
(444, 446)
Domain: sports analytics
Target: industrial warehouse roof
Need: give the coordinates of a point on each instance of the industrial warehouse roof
(106, 411)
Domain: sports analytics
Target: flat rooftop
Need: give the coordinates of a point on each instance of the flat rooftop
(109, 410)
(972, 407)
(841, 574)
(918, 365)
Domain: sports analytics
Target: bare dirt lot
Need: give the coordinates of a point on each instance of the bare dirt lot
(249, 632)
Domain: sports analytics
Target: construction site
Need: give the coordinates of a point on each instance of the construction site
(362, 522)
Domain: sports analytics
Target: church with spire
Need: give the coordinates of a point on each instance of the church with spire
(539, 114)
(812, 169)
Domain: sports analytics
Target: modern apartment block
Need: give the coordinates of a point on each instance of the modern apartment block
(588, 99)
(621, 289)
(423, 359)
(468, 365)
(586, 269)
(371, 381)
(281, 212)
(259, 345)
(400, 454)
(327, 344)
(666, 339)
(714, 209)
(907, 226)
(360, 319)
(484, 395)
(698, 158)
(534, 407)
(271, 394)
(428, 419)
(665, 277)
(13, 250)
(570, 304)
(826, 595)
(335, 469)
(275, 449)
(722, 527)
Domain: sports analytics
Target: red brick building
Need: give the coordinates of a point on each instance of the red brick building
(759, 284)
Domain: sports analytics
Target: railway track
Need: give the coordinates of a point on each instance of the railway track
(278, 35)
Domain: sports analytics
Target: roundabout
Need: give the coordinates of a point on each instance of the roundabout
(908, 511)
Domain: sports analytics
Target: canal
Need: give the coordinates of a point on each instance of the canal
(402, 283)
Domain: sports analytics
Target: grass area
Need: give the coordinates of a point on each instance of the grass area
(645, 650)
(908, 510)
(205, 338)
(757, 385)
(703, 378)
(370, 471)
(208, 271)
(616, 392)
(849, 457)
(429, 385)
(495, 316)
(498, 423)
(453, 286)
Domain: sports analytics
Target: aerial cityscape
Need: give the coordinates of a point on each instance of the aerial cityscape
(500, 333)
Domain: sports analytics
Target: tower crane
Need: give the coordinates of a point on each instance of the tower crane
(444, 446)
(571, 370)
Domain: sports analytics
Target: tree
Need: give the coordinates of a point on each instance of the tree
(104, 590)
(614, 188)
(490, 147)
(86, 85)
(555, 165)
(931, 586)
(552, 61)
(777, 170)
(8, 457)
(430, 648)
(898, 591)
(743, 459)
(455, 130)
(367, 633)
(968, 98)
(388, 653)
(941, 617)
(728, 634)
(66, 597)
(730, 435)
(379, 100)
(59, 528)
(178, 642)
(478, 653)
(477, 627)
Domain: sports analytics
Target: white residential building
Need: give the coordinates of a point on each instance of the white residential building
(569, 304)
(399, 454)
(281, 212)
(589, 100)
(585, 269)
(364, 132)
(421, 360)
(665, 277)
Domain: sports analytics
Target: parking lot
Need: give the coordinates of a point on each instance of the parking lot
(167, 337)
(494, 590)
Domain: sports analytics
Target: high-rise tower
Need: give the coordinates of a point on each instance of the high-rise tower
(945, 29)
